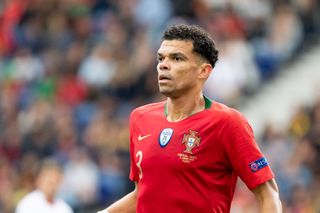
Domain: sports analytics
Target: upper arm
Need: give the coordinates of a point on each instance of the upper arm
(265, 189)
(268, 196)
(243, 153)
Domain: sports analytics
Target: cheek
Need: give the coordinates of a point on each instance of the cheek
(187, 74)
(183, 80)
(190, 78)
(158, 67)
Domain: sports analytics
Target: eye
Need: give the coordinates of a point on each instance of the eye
(177, 58)
(159, 58)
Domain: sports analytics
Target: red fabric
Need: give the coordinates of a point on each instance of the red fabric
(71, 91)
(10, 17)
(175, 180)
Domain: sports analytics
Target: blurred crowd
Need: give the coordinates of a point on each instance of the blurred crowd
(294, 156)
(72, 70)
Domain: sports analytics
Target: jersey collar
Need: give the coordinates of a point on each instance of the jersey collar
(207, 105)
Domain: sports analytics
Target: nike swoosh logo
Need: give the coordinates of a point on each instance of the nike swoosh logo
(140, 137)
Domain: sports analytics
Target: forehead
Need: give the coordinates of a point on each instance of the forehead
(170, 46)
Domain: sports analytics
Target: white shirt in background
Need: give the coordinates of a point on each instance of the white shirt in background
(35, 202)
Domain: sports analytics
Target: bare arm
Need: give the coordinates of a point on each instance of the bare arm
(268, 197)
(127, 204)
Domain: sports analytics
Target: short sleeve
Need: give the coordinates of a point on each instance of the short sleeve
(134, 176)
(243, 152)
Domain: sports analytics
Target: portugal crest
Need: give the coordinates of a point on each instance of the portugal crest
(191, 140)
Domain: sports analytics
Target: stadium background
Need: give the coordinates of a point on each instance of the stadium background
(72, 70)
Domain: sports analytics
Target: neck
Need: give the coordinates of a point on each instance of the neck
(182, 107)
(48, 196)
(50, 199)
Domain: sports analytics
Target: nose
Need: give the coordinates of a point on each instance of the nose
(163, 65)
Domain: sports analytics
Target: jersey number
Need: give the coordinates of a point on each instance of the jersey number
(139, 156)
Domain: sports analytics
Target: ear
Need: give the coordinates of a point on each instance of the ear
(205, 71)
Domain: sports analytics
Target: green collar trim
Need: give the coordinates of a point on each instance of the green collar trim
(207, 102)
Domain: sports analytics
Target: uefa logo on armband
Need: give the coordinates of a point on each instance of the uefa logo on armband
(258, 164)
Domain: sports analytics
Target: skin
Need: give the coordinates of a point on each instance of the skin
(267, 195)
(181, 75)
(48, 182)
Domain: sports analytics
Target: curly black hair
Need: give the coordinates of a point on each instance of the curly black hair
(203, 44)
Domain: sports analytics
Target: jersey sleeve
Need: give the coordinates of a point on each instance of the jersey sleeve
(134, 175)
(243, 152)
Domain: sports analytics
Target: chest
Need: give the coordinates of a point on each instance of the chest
(188, 146)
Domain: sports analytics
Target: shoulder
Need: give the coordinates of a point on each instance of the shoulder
(63, 206)
(149, 109)
(34, 195)
(232, 122)
(29, 200)
(226, 113)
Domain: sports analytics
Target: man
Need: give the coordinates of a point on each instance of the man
(43, 199)
(187, 152)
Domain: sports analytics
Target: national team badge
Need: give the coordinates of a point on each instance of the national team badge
(191, 140)
(165, 136)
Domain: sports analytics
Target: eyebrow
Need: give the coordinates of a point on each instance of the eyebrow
(174, 54)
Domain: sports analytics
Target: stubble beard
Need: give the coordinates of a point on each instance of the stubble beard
(165, 92)
(170, 92)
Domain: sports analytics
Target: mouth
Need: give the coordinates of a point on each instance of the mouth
(163, 78)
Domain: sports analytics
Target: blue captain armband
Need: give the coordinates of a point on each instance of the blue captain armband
(258, 164)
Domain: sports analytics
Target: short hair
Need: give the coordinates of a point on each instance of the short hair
(47, 164)
(203, 44)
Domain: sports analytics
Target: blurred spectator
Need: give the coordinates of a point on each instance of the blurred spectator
(25, 67)
(277, 148)
(98, 69)
(37, 128)
(7, 183)
(43, 198)
(282, 39)
(81, 180)
(113, 178)
(234, 74)
(300, 123)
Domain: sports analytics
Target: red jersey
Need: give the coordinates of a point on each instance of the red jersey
(192, 165)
